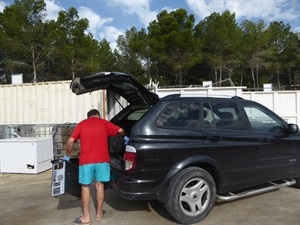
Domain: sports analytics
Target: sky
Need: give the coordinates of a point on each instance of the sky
(110, 18)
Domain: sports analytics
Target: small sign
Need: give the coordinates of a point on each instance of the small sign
(17, 78)
(267, 87)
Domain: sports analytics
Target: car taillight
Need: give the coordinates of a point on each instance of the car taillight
(130, 158)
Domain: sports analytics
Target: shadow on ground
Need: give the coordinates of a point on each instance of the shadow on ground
(119, 204)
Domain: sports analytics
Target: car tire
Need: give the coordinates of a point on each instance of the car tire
(191, 195)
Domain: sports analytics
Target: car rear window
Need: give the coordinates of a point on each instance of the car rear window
(180, 115)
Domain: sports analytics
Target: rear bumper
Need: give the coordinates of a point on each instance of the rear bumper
(133, 189)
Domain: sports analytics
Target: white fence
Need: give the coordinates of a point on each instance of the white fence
(54, 103)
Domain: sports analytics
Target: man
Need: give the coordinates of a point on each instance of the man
(94, 159)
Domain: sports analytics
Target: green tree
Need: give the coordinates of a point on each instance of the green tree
(173, 43)
(106, 58)
(292, 56)
(255, 48)
(283, 45)
(128, 59)
(24, 36)
(75, 50)
(141, 46)
(222, 40)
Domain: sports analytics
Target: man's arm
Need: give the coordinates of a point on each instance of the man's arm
(69, 146)
(121, 131)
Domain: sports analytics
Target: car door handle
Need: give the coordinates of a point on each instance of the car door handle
(264, 140)
(214, 138)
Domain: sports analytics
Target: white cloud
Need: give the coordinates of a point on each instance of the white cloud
(296, 29)
(52, 9)
(141, 8)
(169, 9)
(111, 34)
(95, 21)
(204, 8)
(268, 10)
(98, 26)
(2, 6)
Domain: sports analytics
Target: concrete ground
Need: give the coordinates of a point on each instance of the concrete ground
(26, 199)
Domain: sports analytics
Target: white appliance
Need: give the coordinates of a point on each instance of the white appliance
(26, 155)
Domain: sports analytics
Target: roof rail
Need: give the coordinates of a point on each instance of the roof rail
(237, 97)
(173, 96)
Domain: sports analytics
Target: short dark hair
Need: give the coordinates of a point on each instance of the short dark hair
(93, 112)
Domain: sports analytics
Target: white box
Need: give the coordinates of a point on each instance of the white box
(26, 155)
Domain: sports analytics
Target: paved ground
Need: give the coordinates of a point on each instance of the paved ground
(26, 199)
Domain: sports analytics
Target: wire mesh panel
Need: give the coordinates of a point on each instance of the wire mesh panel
(12, 131)
(59, 132)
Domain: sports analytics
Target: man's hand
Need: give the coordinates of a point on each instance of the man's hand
(126, 139)
(66, 157)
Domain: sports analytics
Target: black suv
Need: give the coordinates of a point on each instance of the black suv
(188, 152)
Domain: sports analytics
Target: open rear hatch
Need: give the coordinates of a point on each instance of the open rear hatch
(120, 83)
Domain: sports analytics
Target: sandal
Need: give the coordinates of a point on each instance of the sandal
(78, 221)
(100, 218)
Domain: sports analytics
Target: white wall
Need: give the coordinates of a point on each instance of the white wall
(46, 103)
(54, 102)
(229, 91)
(284, 103)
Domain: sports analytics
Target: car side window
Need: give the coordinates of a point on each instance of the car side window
(180, 115)
(127, 122)
(136, 115)
(262, 120)
(222, 115)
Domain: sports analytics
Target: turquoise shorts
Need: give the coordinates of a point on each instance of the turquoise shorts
(99, 172)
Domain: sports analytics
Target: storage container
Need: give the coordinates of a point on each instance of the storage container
(26, 154)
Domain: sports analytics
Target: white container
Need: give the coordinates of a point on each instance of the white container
(26, 155)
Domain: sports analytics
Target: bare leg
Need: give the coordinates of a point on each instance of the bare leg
(85, 199)
(100, 199)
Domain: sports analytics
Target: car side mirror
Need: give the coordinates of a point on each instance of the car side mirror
(293, 128)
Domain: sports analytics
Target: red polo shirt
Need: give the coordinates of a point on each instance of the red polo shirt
(93, 134)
